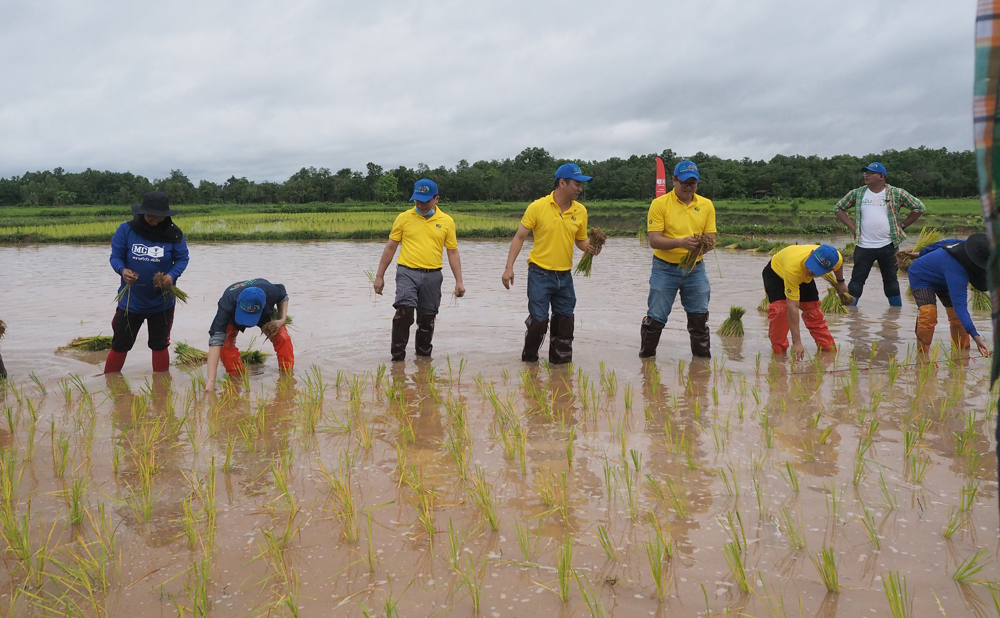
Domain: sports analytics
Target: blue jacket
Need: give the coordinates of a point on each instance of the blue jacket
(937, 270)
(146, 257)
(226, 314)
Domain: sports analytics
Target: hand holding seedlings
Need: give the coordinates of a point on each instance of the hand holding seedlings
(459, 290)
(164, 283)
(379, 284)
(130, 276)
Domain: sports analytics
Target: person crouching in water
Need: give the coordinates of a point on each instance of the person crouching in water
(788, 281)
(248, 303)
(944, 270)
(148, 244)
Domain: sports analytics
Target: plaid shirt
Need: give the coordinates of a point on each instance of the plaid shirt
(894, 199)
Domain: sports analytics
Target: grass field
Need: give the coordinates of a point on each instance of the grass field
(80, 224)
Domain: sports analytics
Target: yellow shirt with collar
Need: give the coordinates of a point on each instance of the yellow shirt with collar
(555, 232)
(421, 239)
(790, 265)
(676, 219)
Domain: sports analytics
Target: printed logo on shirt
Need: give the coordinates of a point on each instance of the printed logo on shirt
(572, 218)
(438, 226)
(697, 208)
(152, 252)
(244, 284)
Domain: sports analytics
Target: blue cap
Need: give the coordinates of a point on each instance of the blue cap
(876, 167)
(686, 170)
(249, 306)
(823, 260)
(572, 171)
(424, 190)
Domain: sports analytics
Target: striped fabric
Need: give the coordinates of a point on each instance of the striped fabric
(985, 128)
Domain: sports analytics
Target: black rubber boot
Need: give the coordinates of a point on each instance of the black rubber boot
(649, 337)
(401, 332)
(533, 338)
(561, 340)
(701, 342)
(425, 332)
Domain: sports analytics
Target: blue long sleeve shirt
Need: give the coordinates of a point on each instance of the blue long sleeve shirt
(131, 250)
(936, 270)
(226, 314)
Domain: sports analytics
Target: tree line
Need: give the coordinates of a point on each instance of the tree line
(924, 172)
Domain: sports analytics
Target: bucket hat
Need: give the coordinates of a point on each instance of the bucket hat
(154, 203)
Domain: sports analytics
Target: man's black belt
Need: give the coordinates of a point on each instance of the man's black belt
(546, 270)
(422, 270)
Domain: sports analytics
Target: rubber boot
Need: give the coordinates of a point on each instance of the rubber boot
(895, 301)
(161, 360)
(230, 354)
(401, 332)
(813, 318)
(283, 349)
(425, 332)
(533, 338)
(777, 326)
(959, 337)
(649, 336)
(3, 370)
(561, 339)
(115, 361)
(858, 298)
(701, 342)
(926, 321)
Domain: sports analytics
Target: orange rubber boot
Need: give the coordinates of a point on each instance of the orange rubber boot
(958, 335)
(283, 348)
(813, 318)
(777, 326)
(230, 354)
(926, 321)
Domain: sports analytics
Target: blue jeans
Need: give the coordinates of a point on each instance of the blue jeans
(667, 279)
(547, 287)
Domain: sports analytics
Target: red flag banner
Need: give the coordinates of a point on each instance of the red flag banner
(661, 178)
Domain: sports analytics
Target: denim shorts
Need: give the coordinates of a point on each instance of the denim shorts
(550, 287)
(667, 279)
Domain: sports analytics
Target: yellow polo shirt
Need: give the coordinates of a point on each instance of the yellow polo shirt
(676, 219)
(421, 239)
(555, 232)
(790, 265)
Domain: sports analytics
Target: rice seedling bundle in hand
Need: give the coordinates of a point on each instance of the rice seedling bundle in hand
(173, 290)
(764, 304)
(928, 236)
(981, 301)
(705, 244)
(597, 240)
(91, 344)
(733, 325)
(834, 302)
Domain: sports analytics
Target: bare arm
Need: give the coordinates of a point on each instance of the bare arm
(455, 261)
(841, 284)
(658, 241)
(844, 218)
(515, 248)
(214, 353)
(911, 218)
(383, 263)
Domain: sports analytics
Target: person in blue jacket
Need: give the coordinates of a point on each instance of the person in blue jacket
(944, 271)
(148, 244)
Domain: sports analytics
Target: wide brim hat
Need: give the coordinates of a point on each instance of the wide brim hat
(154, 203)
(977, 247)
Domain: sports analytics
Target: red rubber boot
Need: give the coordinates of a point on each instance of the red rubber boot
(161, 360)
(282, 343)
(813, 318)
(115, 361)
(777, 326)
(230, 354)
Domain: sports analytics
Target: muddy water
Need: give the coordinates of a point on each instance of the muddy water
(646, 439)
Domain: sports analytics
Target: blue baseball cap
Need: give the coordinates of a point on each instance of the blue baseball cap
(876, 167)
(249, 306)
(424, 190)
(685, 170)
(823, 260)
(572, 171)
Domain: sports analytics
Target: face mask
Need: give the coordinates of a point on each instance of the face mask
(429, 214)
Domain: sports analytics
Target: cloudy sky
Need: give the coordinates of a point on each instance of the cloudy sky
(263, 88)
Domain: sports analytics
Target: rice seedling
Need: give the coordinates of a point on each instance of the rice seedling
(473, 581)
(900, 602)
(523, 534)
(591, 597)
(607, 543)
(762, 306)
(481, 492)
(734, 558)
(967, 495)
(160, 281)
(733, 325)
(918, 468)
(792, 529)
(571, 440)
(597, 239)
(705, 244)
(825, 562)
(656, 556)
(564, 567)
(968, 568)
(345, 501)
(187, 356)
(371, 556)
(628, 396)
(957, 520)
(729, 480)
(791, 476)
(75, 494)
(91, 344)
(677, 499)
(60, 454)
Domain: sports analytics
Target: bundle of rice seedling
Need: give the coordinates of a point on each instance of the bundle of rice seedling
(91, 344)
(270, 330)
(253, 357)
(641, 237)
(3, 329)
(125, 293)
(764, 304)
(778, 246)
(980, 301)
(597, 239)
(835, 302)
(173, 290)
(705, 244)
(733, 325)
(928, 236)
(186, 356)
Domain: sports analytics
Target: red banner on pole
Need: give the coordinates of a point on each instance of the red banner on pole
(661, 178)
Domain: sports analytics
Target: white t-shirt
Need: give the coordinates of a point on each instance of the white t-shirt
(874, 221)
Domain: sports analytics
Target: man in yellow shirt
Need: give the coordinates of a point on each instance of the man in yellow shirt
(788, 281)
(675, 225)
(558, 222)
(423, 232)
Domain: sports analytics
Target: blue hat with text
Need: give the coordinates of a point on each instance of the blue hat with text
(571, 171)
(249, 306)
(823, 260)
(686, 170)
(424, 190)
(874, 166)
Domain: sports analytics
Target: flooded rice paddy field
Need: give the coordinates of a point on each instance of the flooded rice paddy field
(472, 482)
